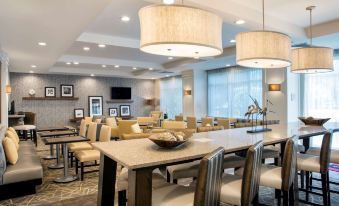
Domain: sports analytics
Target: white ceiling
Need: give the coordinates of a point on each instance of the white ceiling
(68, 26)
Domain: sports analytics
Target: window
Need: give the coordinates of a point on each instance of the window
(321, 98)
(229, 91)
(171, 96)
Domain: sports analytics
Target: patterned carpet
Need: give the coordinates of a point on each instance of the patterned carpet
(84, 192)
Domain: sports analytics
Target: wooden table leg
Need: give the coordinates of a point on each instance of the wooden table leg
(107, 178)
(140, 187)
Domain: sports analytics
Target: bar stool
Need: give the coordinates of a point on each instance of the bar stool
(319, 164)
(282, 178)
(243, 190)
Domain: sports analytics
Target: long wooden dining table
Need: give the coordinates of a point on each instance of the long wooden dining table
(141, 156)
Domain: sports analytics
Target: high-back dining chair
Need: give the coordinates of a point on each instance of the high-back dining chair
(282, 178)
(207, 121)
(209, 128)
(207, 189)
(191, 122)
(179, 118)
(243, 190)
(318, 164)
(224, 123)
(83, 128)
(173, 124)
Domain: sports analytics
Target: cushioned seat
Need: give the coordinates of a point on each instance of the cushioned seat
(334, 158)
(76, 146)
(26, 148)
(173, 195)
(28, 167)
(271, 176)
(308, 162)
(87, 155)
(231, 189)
(24, 127)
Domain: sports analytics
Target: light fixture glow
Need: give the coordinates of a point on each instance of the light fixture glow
(196, 57)
(42, 44)
(125, 18)
(33, 66)
(168, 1)
(150, 68)
(116, 66)
(76, 63)
(86, 48)
(312, 59)
(8, 89)
(263, 49)
(240, 21)
(103, 66)
(31, 71)
(134, 68)
(68, 63)
(232, 41)
(170, 58)
(92, 75)
(228, 65)
(101, 45)
(167, 75)
(180, 31)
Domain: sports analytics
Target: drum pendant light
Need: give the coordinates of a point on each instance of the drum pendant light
(312, 59)
(263, 49)
(180, 31)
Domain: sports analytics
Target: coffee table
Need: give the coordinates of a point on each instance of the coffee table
(64, 141)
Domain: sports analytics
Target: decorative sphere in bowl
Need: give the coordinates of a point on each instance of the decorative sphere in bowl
(170, 139)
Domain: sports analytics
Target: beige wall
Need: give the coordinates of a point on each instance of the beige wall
(4, 81)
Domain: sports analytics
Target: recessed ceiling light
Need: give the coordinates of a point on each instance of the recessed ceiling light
(86, 48)
(170, 58)
(101, 45)
(232, 41)
(68, 63)
(150, 68)
(92, 75)
(33, 66)
(116, 66)
(240, 21)
(228, 65)
(125, 18)
(103, 66)
(153, 78)
(42, 44)
(76, 63)
(134, 68)
(167, 75)
(168, 1)
(31, 71)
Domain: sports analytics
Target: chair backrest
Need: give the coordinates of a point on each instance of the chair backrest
(207, 191)
(224, 123)
(209, 129)
(83, 128)
(191, 122)
(156, 115)
(289, 163)
(105, 134)
(88, 119)
(325, 152)
(92, 131)
(251, 176)
(179, 118)
(145, 119)
(30, 118)
(205, 121)
(125, 126)
(173, 125)
(111, 122)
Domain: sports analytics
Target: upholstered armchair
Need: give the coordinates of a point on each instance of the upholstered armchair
(224, 123)
(174, 125)
(207, 121)
(191, 123)
(179, 118)
(145, 121)
(156, 115)
(88, 119)
(111, 122)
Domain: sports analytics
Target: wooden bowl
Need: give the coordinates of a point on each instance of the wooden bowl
(168, 144)
(313, 121)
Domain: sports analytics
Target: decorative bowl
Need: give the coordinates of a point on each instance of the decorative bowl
(313, 121)
(170, 139)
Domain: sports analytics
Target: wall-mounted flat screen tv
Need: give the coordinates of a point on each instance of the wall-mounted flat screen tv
(121, 93)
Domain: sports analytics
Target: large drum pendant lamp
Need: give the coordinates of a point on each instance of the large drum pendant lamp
(178, 30)
(312, 59)
(263, 49)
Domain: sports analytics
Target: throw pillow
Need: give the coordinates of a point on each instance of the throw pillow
(136, 128)
(10, 150)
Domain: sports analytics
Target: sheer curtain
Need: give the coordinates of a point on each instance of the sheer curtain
(229, 91)
(171, 96)
(321, 97)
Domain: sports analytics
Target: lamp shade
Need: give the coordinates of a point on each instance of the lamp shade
(187, 92)
(312, 60)
(274, 87)
(178, 30)
(263, 49)
(8, 89)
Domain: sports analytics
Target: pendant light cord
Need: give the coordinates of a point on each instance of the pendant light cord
(263, 15)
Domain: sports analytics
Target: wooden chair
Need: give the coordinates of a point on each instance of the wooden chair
(318, 164)
(191, 123)
(207, 189)
(282, 178)
(243, 190)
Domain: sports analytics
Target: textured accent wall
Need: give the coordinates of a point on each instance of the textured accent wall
(58, 113)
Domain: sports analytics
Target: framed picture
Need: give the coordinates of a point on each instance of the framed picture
(67, 90)
(113, 112)
(95, 106)
(50, 92)
(125, 110)
(79, 113)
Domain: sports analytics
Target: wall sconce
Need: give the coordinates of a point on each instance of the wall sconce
(150, 102)
(187, 92)
(274, 87)
(8, 89)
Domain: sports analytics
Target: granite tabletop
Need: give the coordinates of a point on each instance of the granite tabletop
(57, 133)
(63, 140)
